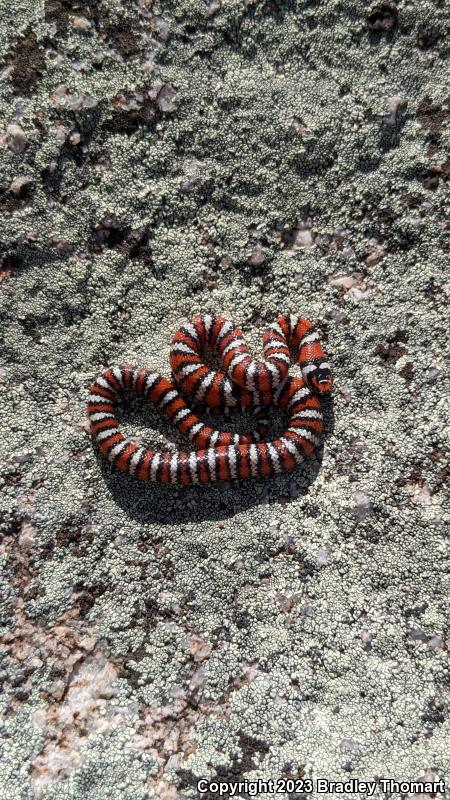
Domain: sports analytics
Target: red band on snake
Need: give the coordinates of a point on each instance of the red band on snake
(243, 383)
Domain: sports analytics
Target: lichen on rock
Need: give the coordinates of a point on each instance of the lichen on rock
(241, 158)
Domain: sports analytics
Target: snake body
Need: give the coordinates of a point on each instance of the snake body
(243, 383)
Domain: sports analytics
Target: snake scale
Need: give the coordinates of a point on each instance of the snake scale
(243, 383)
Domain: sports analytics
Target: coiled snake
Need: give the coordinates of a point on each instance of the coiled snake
(244, 383)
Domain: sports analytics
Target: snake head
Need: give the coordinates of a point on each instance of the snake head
(321, 380)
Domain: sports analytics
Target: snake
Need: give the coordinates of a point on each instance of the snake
(242, 383)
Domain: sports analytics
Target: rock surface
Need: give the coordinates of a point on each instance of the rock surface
(244, 158)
